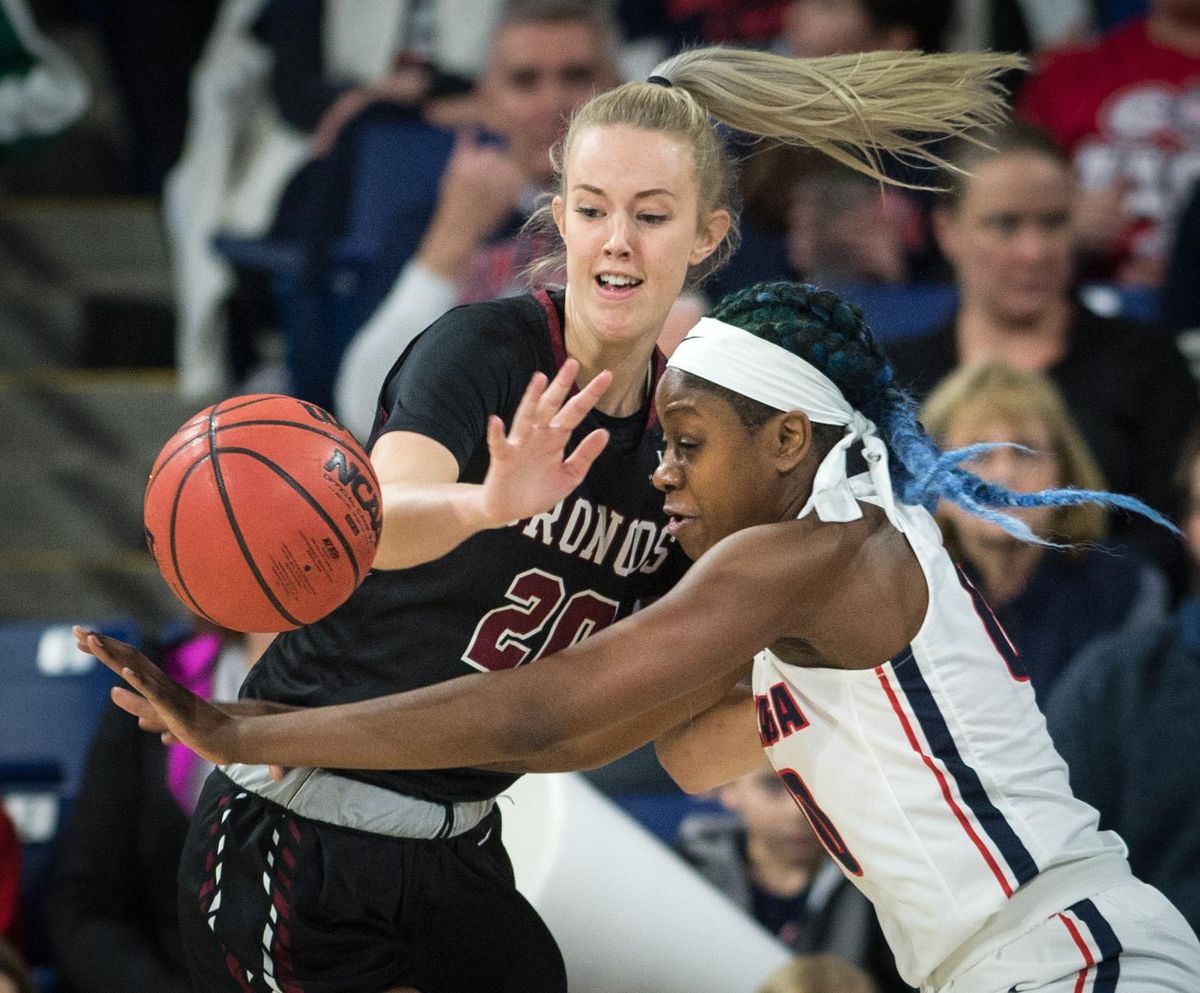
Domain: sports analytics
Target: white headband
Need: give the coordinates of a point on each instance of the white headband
(739, 361)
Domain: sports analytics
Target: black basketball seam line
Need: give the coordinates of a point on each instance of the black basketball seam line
(249, 403)
(171, 535)
(321, 512)
(219, 479)
(341, 440)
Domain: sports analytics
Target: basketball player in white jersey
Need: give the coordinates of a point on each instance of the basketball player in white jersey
(884, 693)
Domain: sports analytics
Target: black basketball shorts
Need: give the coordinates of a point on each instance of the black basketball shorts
(270, 902)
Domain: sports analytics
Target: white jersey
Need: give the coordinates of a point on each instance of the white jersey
(930, 778)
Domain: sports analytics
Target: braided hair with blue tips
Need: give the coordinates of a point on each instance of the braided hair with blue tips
(830, 333)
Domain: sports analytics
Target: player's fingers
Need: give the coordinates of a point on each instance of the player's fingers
(115, 654)
(132, 703)
(495, 433)
(526, 413)
(586, 452)
(576, 409)
(162, 694)
(144, 687)
(558, 389)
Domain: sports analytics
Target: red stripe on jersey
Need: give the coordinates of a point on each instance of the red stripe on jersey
(558, 345)
(945, 786)
(1088, 960)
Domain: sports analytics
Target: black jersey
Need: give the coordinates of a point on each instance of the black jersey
(503, 597)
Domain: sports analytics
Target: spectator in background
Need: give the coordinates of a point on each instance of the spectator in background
(1018, 25)
(110, 904)
(746, 23)
(1180, 303)
(41, 90)
(1124, 718)
(272, 72)
(1050, 602)
(844, 229)
(1124, 111)
(1005, 226)
(776, 242)
(819, 974)
(766, 858)
(14, 975)
(832, 27)
(10, 879)
(547, 58)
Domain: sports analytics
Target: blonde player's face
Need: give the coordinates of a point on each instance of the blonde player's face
(717, 476)
(1010, 238)
(631, 222)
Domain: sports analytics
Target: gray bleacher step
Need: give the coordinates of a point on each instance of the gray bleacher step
(71, 269)
(80, 446)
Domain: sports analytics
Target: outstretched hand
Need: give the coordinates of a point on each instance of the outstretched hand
(529, 470)
(160, 704)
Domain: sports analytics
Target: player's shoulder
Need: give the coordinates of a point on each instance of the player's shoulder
(507, 318)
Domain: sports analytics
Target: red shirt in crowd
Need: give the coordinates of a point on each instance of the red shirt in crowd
(1126, 110)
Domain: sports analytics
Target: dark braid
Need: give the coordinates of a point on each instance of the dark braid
(831, 334)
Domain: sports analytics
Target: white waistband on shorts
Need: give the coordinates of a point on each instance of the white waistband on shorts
(1049, 892)
(325, 796)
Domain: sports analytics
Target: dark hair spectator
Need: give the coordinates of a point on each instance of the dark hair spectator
(1005, 226)
(1123, 718)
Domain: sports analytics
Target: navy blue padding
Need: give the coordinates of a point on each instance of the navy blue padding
(48, 718)
(46, 726)
(662, 813)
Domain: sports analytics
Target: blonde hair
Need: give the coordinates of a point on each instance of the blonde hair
(994, 389)
(854, 108)
(819, 973)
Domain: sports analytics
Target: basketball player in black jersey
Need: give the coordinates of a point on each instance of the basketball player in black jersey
(496, 549)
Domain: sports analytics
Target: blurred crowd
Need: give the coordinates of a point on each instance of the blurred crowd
(335, 175)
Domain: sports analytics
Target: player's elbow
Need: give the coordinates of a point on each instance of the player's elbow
(533, 731)
(691, 777)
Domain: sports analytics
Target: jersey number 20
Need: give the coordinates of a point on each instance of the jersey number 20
(507, 636)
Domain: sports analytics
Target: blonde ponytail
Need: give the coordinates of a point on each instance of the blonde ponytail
(850, 107)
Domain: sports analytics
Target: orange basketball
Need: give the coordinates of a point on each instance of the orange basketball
(263, 513)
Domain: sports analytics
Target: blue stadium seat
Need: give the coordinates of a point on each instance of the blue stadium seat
(662, 813)
(394, 171)
(365, 210)
(52, 698)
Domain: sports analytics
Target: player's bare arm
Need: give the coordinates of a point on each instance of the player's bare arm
(427, 512)
(714, 747)
(641, 665)
(611, 743)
